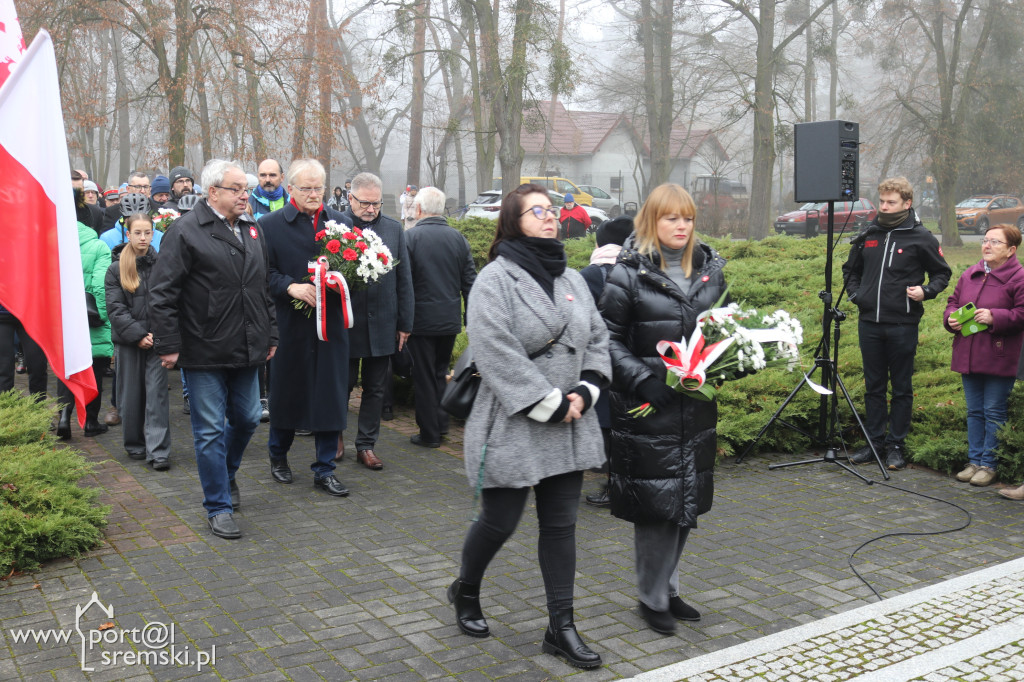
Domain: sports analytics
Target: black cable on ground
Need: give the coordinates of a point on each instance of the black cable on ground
(906, 533)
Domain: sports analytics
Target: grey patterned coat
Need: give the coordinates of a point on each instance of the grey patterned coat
(510, 317)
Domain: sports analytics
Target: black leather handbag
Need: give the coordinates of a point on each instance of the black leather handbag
(461, 391)
(92, 311)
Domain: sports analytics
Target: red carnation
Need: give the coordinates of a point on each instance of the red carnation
(334, 246)
(383, 258)
(362, 246)
(357, 231)
(320, 235)
(349, 254)
(349, 235)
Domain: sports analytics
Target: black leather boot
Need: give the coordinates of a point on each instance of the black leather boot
(468, 615)
(561, 639)
(64, 422)
(93, 427)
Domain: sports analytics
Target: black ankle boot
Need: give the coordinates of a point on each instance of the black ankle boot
(64, 422)
(561, 639)
(468, 615)
(93, 427)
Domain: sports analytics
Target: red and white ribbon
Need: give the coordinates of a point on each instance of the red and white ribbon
(691, 360)
(324, 279)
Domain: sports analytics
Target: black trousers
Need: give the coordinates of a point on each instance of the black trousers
(35, 359)
(375, 373)
(888, 351)
(430, 357)
(92, 410)
(558, 500)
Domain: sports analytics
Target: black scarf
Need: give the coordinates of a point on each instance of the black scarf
(544, 259)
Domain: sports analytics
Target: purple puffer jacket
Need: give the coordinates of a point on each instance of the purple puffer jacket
(997, 349)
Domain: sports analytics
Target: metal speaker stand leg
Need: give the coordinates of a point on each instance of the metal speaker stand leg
(829, 433)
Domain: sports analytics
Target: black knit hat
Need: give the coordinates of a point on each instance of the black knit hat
(615, 231)
(179, 172)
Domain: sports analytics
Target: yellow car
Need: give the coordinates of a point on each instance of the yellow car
(560, 185)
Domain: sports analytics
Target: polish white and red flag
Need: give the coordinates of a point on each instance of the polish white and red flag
(12, 45)
(41, 281)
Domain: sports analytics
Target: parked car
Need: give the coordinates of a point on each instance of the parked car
(486, 205)
(603, 200)
(976, 213)
(560, 185)
(812, 218)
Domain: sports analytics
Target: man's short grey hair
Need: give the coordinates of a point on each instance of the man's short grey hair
(136, 174)
(302, 166)
(214, 172)
(366, 181)
(430, 201)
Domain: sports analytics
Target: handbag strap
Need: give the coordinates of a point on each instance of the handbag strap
(549, 345)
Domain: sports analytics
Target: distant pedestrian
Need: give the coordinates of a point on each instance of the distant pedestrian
(574, 219)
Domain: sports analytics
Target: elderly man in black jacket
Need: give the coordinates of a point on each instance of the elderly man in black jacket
(442, 274)
(212, 315)
(383, 315)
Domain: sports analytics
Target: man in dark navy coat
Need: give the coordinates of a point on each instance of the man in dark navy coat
(383, 315)
(309, 377)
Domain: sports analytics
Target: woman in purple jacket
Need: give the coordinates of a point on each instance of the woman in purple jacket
(988, 359)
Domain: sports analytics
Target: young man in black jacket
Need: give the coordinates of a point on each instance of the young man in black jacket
(885, 275)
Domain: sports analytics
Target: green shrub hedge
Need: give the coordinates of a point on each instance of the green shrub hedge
(787, 272)
(44, 513)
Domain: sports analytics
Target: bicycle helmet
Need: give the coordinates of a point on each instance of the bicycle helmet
(187, 202)
(134, 203)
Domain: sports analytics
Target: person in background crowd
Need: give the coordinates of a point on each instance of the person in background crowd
(309, 376)
(161, 191)
(211, 312)
(182, 185)
(885, 276)
(269, 196)
(95, 213)
(611, 235)
(347, 189)
(111, 197)
(574, 219)
(408, 220)
(141, 378)
(138, 183)
(442, 274)
(383, 315)
(662, 465)
(987, 359)
(531, 426)
(33, 356)
(337, 201)
(92, 192)
(95, 261)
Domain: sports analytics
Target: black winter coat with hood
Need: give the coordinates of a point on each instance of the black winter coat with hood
(662, 466)
(128, 311)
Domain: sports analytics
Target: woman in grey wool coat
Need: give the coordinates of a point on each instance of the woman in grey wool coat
(531, 425)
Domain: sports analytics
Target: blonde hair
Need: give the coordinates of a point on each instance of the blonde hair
(898, 185)
(128, 267)
(666, 199)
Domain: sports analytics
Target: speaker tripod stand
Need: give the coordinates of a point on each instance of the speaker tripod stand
(826, 356)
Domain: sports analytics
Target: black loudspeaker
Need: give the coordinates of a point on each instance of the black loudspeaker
(826, 161)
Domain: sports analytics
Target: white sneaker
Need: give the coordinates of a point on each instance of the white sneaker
(265, 415)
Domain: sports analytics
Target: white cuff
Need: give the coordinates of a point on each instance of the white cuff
(543, 410)
(595, 392)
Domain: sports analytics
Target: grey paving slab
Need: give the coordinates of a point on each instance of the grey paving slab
(325, 588)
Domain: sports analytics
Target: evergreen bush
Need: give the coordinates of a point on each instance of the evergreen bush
(44, 513)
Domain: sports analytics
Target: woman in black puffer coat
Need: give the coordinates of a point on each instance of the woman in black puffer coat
(661, 465)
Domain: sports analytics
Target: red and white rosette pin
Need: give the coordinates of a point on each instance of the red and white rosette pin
(324, 279)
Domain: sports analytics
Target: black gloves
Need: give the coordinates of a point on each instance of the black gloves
(656, 392)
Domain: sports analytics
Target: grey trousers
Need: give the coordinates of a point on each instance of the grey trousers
(142, 401)
(658, 547)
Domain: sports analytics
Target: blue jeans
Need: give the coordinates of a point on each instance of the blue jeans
(280, 442)
(225, 413)
(986, 396)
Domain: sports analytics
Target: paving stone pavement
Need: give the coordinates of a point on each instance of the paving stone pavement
(353, 588)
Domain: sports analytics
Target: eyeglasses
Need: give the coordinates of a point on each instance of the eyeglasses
(540, 211)
(366, 204)
(139, 187)
(309, 190)
(993, 242)
(235, 191)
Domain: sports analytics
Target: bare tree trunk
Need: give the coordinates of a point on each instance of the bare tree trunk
(833, 62)
(764, 125)
(810, 113)
(124, 138)
(659, 92)
(325, 132)
(556, 83)
(483, 137)
(419, 47)
(205, 133)
(302, 84)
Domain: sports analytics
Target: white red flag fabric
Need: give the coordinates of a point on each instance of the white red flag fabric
(12, 45)
(41, 281)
